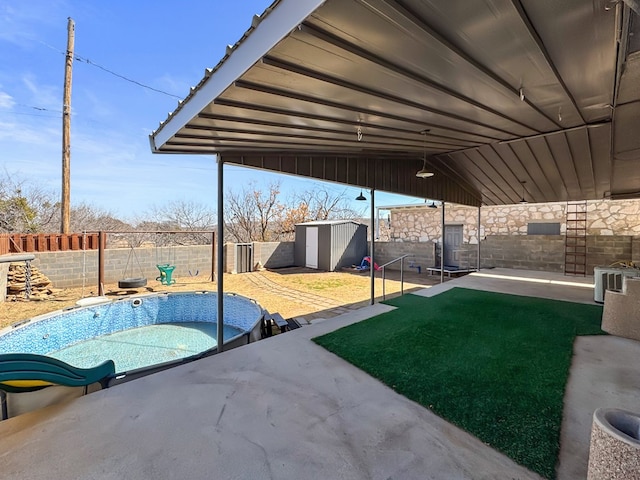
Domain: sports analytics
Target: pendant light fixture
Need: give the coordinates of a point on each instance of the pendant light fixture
(424, 171)
(361, 197)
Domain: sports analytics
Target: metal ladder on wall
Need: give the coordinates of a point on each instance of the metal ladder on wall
(575, 243)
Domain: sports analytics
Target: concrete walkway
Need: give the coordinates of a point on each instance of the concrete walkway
(285, 408)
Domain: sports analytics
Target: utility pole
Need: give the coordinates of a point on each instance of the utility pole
(66, 131)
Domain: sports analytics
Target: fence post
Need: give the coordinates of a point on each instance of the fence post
(4, 244)
(101, 243)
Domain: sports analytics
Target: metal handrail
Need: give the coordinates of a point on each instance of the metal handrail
(382, 267)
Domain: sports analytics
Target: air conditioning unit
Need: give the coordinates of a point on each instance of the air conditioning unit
(610, 278)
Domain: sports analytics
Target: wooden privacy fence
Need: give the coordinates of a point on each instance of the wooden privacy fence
(46, 242)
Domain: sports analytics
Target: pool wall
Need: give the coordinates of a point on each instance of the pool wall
(56, 330)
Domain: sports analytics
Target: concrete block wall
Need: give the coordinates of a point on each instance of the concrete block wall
(273, 254)
(635, 250)
(420, 253)
(229, 258)
(73, 268)
(605, 250)
(535, 252)
(270, 254)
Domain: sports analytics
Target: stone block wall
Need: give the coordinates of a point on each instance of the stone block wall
(421, 223)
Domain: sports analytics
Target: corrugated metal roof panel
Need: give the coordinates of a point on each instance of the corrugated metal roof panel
(506, 91)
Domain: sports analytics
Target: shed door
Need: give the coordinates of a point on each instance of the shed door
(452, 242)
(311, 258)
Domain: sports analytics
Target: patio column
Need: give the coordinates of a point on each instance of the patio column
(371, 254)
(442, 249)
(220, 273)
(479, 212)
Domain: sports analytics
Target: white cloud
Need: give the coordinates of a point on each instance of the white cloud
(44, 96)
(6, 101)
(21, 22)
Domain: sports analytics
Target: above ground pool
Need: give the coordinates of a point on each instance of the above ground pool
(141, 333)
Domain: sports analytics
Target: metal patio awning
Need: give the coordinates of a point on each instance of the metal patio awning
(493, 93)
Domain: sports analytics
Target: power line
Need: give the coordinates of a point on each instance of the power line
(41, 109)
(111, 72)
(29, 114)
(135, 82)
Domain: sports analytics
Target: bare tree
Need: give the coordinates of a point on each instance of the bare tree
(185, 215)
(317, 204)
(26, 207)
(251, 214)
(88, 218)
(256, 215)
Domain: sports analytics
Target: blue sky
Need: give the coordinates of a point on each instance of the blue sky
(163, 44)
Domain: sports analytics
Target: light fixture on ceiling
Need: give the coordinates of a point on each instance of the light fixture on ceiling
(521, 93)
(523, 200)
(361, 197)
(432, 205)
(611, 5)
(424, 172)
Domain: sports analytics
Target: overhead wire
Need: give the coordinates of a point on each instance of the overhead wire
(111, 72)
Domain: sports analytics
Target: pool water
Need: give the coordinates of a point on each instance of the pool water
(139, 333)
(145, 346)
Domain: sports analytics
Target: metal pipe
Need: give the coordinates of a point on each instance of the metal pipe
(20, 257)
(402, 276)
(479, 224)
(101, 242)
(442, 249)
(213, 256)
(371, 254)
(384, 278)
(220, 235)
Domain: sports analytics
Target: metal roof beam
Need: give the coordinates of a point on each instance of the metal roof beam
(297, 69)
(407, 13)
(355, 50)
(339, 121)
(328, 103)
(543, 50)
(416, 147)
(421, 126)
(418, 144)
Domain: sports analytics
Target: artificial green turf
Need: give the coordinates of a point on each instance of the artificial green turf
(496, 365)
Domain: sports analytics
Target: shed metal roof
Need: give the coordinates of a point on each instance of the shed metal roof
(503, 98)
(327, 222)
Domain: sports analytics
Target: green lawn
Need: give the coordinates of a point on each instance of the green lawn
(495, 365)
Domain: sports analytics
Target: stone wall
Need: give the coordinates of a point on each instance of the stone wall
(421, 223)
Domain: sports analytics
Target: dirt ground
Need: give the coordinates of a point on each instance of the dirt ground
(293, 292)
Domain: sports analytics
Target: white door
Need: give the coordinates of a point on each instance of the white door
(311, 259)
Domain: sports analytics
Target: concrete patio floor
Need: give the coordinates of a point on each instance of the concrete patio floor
(285, 408)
